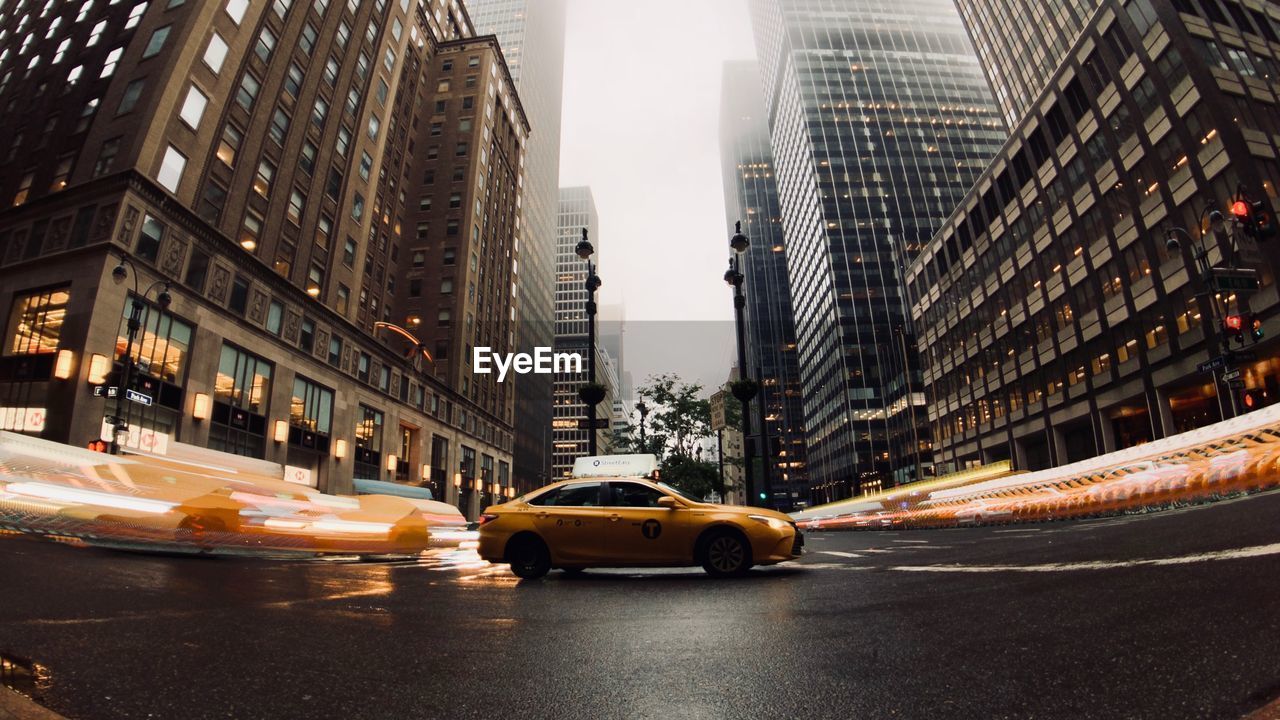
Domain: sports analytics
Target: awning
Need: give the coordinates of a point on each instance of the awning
(379, 487)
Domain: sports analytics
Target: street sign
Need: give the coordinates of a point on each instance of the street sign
(1235, 384)
(1238, 279)
(104, 391)
(717, 411)
(1213, 365)
(1231, 375)
(1230, 357)
(601, 424)
(138, 397)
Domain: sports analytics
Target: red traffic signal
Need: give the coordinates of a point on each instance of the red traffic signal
(1234, 322)
(97, 446)
(1240, 209)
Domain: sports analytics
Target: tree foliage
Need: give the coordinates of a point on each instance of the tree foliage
(679, 420)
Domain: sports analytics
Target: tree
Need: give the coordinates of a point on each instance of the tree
(676, 426)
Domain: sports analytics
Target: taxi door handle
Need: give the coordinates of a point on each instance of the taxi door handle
(615, 517)
(541, 516)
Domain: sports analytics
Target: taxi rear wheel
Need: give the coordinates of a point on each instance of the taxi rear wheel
(725, 553)
(529, 558)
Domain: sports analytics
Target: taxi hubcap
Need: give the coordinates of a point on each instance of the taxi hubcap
(725, 554)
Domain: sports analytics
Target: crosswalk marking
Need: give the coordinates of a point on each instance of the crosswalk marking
(837, 553)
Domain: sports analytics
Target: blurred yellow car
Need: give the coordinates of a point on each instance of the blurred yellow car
(631, 521)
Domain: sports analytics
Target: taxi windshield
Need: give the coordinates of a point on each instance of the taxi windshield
(674, 491)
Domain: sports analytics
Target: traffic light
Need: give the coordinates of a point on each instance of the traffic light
(1263, 221)
(1242, 210)
(1255, 328)
(1252, 399)
(1233, 328)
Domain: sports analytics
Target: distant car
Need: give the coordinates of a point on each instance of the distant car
(631, 521)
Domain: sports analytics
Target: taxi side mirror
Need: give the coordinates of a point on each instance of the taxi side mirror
(667, 502)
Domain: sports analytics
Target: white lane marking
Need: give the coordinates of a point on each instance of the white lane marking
(926, 542)
(837, 553)
(877, 550)
(832, 566)
(1238, 554)
(1017, 530)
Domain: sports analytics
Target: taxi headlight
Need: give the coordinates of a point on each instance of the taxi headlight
(772, 522)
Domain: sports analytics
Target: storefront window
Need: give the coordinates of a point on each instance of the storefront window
(35, 323)
(240, 392)
(311, 407)
(161, 345)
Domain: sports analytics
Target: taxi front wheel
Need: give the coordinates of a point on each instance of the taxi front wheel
(529, 558)
(726, 553)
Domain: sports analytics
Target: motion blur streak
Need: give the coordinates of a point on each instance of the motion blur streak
(1236, 456)
(146, 503)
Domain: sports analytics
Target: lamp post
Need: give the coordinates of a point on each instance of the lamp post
(138, 302)
(591, 393)
(1217, 224)
(744, 389)
(644, 413)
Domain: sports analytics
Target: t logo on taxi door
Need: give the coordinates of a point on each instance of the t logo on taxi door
(651, 529)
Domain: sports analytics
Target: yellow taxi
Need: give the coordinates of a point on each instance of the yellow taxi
(614, 513)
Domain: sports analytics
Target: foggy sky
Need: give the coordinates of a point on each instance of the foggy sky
(641, 128)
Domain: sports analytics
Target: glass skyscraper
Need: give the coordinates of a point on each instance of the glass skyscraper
(881, 120)
(751, 196)
(1021, 44)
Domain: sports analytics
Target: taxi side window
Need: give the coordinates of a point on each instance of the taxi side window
(579, 495)
(633, 495)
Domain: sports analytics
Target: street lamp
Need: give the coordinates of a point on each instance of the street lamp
(1217, 224)
(591, 393)
(744, 389)
(644, 413)
(138, 302)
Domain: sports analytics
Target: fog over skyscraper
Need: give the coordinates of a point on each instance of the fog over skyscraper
(880, 119)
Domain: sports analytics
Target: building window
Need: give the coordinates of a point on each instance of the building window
(248, 92)
(239, 299)
(262, 182)
(148, 246)
(171, 169)
(311, 407)
(35, 322)
(106, 156)
(156, 43)
(275, 317)
(362, 368)
(344, 299)
(307, 336)
(132, 92)
(230, 144)
(236, 9)
(160, 347)
(240, 392)
(335, 350)
(216, 53)
(368, 443)
(193, 107)
(279, 126)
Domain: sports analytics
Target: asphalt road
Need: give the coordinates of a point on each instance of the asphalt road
(1045, 621)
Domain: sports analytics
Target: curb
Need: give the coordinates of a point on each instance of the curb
(16, 706)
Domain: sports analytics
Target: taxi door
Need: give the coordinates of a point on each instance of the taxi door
(569, 521)
(639, 531)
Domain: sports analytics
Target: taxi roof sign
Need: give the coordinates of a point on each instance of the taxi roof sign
(616, 466)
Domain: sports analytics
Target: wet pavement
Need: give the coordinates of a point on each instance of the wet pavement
(1170, 615)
